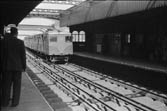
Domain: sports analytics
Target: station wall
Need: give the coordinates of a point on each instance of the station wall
(141, 35)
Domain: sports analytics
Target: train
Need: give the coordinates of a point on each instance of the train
(52, 45)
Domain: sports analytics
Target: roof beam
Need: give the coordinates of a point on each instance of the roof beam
(34, 27)
(65, 2)
(40, 10)
(50, 16)
(46, 13)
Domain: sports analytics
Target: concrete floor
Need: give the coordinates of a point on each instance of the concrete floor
(30, 100)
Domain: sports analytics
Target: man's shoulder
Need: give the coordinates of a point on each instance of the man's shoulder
(20, 40)
(15, 41)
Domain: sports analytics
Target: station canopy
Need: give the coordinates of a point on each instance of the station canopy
(45, 16)
(96, 10)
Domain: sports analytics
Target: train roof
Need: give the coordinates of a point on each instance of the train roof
(56, 32)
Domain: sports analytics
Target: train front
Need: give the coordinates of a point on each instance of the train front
(60, 46)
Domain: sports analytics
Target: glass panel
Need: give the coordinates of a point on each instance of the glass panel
(68, 39)
(76, 38)
(53, 39)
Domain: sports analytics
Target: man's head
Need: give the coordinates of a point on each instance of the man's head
(14, 31)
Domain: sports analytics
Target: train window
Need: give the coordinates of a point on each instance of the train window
(53, 39)
(68, 39)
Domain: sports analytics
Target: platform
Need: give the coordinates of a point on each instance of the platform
(31, 99)
(131, 63)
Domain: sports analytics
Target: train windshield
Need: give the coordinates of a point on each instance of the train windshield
(53, 39)
(68, 39)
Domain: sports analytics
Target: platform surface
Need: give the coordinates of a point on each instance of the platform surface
(31, 99)
(132, 63)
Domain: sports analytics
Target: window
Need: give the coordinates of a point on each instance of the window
(75, 37)
(53, 39)
(81, 36)
(68, 39)
(127, 37)
(78, 37)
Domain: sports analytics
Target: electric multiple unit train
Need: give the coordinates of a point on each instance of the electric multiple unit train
(54, 46)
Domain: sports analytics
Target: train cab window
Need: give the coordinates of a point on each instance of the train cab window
(68, 39)
(53, 39)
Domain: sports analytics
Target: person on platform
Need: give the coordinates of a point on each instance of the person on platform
(13, 64)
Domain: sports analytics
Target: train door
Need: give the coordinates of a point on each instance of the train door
(53, 44)
(46, 43)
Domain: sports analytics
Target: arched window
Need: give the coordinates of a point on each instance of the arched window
(75, 37)
(81, 36)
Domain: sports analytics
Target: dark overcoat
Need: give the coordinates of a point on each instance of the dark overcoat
(13, 53)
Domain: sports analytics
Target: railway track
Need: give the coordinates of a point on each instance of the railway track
(137, 93)
(98, 92)
(133, 87)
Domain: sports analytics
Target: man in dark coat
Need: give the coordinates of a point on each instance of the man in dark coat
(13, 64)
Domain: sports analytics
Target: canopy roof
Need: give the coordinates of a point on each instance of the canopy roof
(95, 10)
(14, 11)
(45, 16)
